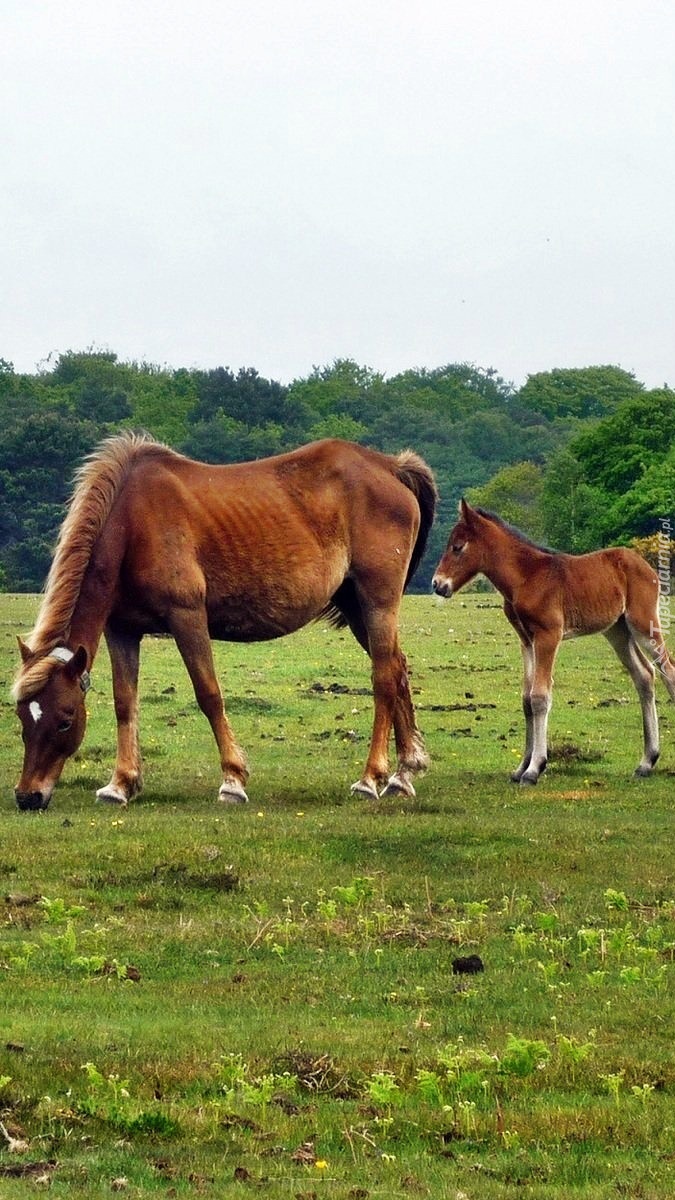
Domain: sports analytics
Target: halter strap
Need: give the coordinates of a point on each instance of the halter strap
(64, 655)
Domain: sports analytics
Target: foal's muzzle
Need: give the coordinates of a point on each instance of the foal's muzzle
(442, 587)
(31, 801)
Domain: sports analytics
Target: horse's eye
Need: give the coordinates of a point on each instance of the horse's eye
(457, 547)
(63, 726)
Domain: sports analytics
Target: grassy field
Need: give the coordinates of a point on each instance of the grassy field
(203, 1001)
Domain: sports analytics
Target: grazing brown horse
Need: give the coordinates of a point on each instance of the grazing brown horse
(550, 596)
(156, 543)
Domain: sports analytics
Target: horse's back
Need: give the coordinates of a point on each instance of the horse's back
(329, 490)
(603, 585)
(264, 545)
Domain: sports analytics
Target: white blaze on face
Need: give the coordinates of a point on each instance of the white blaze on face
(35, 710)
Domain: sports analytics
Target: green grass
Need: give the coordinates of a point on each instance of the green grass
(262, 990)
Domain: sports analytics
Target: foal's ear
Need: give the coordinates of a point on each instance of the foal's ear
(465, 511)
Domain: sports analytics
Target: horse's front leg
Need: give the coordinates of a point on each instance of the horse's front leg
(124, 651)
(528, 675)
(545, 649)
(190, 630)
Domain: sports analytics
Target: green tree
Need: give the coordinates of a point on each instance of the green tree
(578, 392)
(617, 451)
(246, 397)
(572, 510)
(38, 456)
(639, 511)
(342, 389)
(515, 493)
(614, 481)
(338, 425)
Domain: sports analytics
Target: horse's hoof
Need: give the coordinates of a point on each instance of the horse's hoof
(112, 795)
(364, 788)
(231, 792)
(528, 780)
(515, 777)
(642, 772)
(398, 785)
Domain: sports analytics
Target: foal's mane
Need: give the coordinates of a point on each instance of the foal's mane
(96, 485)
(513, 531)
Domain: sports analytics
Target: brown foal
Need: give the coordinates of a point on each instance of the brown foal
(549, 597)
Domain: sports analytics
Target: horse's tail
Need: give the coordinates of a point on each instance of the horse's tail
(418, 478)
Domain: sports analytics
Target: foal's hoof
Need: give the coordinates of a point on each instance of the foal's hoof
(363, 787)
(112, 795)
(398, 785)
(231, 792)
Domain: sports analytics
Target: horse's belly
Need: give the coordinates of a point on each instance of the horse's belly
(243, 629)
(244, 619)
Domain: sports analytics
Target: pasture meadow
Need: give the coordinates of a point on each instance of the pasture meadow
(467, 995)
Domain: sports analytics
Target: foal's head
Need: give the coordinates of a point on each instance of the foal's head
(464, 555)
(49, 694)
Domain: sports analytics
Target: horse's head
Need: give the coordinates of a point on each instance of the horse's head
(49, 693)
(463, 557)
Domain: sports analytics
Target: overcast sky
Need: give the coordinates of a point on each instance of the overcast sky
(278, 183)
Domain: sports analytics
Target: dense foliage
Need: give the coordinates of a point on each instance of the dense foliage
(578, 457)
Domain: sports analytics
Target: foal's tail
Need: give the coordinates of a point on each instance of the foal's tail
(418, 478)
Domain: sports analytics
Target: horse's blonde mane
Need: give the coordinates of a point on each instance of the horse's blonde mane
(97, 483)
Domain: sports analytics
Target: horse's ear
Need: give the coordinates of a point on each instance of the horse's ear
(465, 511)
(78, 663)
(24, 650)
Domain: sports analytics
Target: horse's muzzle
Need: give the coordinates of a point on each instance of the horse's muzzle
(442, 587)
(31, 801)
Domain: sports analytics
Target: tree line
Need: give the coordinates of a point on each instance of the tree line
(576, 458)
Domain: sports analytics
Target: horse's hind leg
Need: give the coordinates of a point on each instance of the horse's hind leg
(377, 632)
(190, 630)
(393, 707)
(624, 643)
(126, 781)
(648, 635)
(411, 754)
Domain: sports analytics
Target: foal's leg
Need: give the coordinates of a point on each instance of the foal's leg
(545, 648)
(528, 675)
(190, 630)
(650, 639)
(641, 672)
(126, 781)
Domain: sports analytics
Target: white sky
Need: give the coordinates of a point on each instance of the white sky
(277, 183)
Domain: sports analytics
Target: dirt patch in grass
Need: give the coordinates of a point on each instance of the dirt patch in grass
(335, 689)
(571, 752)
(317, 1073)
(173, 876)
